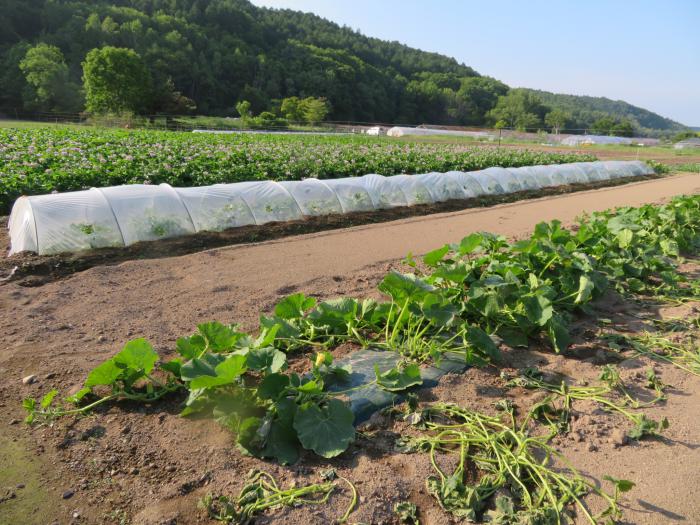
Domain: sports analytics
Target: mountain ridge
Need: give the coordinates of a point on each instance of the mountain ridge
(218, 52)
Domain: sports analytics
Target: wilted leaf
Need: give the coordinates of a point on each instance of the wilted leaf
(483, 342)
(396, 380)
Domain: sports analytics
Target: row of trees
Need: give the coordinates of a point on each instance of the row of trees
(209, 54)
(292, 110)
(114, 80)
(117, 80)
(523, 110)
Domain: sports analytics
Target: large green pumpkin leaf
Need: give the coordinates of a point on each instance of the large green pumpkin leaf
(327, 430)
(137, 355)
(336, 313)
(105, 374)
(481, 341)
(624, 238)
(272, 386)
(205, 365)
(268, 359)
(218, 336)
(585, 289)
(189, 347)
(434, 257)
(401, 287)
(294, 306)
(558, 334)
(437, 309)
(225, 372)
(538, 308)
(470, 243)
(282, 442)
(272, 436)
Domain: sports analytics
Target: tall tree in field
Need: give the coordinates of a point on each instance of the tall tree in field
(116, 80)
(314, 109)
(47, 85)
(291, 109)
(519, 109)
(476, 96)
(243, 108)
(556, 119)
(604, 125)
(623, 128)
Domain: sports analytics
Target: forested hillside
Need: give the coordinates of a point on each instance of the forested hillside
(205, 56)
(585, 111)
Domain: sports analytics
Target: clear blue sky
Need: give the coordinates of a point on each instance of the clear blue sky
(644, 52)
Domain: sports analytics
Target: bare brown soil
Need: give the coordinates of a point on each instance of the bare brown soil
(34, 270)
(146, 465)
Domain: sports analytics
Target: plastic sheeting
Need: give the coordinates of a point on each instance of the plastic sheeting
(399, 131)
(577, 140)
(124, 215)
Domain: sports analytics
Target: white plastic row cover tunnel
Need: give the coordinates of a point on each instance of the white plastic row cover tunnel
(124, 215)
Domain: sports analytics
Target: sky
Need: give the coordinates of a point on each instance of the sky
(644, 52)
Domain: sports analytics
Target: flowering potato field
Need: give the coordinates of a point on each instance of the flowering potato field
(41, 161)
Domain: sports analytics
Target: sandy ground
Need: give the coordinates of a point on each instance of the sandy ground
(147, 465)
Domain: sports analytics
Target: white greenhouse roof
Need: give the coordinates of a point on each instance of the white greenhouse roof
(575, 140)
(398, 131)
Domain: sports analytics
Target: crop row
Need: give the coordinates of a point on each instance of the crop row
(34, 162)
(469, 296)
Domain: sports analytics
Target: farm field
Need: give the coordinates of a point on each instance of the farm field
(130, 463)
(665, 154)
(41, 161)
(262, 265)
(45, 158)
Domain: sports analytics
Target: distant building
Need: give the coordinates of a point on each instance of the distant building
(693, 142)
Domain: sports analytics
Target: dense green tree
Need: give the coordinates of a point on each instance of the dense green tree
(613, 126)
(519, 109)
(604, 125)
(213, 52)
(268, 120)
(290, 108)
(243, 108)
(623, 128)
(476, 97)
(170, 100)
(557, 119)
(116, 80)
(12, 81)
(48, 87)
(585, 111)
(683, 135)
(314, 110)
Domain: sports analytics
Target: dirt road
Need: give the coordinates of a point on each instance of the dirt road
(60, 330)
